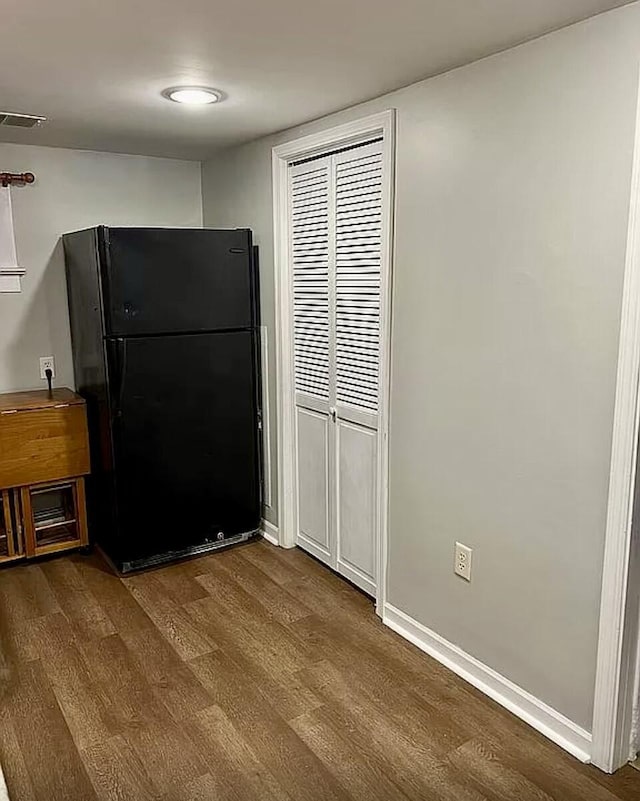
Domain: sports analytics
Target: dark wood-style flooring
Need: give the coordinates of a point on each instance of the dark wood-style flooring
(254, 673)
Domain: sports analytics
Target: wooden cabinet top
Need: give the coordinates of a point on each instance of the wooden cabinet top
(43, 437)
(38, 399)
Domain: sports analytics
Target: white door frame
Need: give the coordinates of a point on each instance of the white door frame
(617, 643)
(382, 124)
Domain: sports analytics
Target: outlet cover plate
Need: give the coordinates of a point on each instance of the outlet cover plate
(462, 561)
(47, 363)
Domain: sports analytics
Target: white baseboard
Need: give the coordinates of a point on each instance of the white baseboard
(548, 721)
(270, 533)
(4, 793)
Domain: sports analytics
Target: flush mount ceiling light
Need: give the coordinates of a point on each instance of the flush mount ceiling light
(193, 95)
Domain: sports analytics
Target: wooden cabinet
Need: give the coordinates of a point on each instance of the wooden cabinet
(44, 456)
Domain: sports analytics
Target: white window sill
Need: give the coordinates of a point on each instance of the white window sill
(10, 280)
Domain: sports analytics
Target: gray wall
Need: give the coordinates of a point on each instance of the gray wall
(75, 189)
(513, 180)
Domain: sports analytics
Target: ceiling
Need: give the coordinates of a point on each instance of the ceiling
(96, 68)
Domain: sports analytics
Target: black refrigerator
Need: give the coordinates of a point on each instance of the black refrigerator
(165, 336)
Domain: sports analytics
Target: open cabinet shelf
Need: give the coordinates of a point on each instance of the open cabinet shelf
(54, 517)
(42, 519)
(44, 449)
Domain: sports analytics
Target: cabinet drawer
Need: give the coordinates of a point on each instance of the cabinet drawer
(44, 444)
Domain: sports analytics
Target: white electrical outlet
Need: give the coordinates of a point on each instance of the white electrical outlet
(462, 561)
(47, 363)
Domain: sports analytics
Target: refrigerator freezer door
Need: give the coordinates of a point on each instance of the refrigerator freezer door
(186, 447)
(166, 280)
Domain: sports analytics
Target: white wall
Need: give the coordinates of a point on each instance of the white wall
(513, 180)
(75, 189)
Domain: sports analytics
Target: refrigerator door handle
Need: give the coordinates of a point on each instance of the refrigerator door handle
(120, 365)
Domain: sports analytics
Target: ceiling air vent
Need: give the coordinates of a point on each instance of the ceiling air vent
(20, 120)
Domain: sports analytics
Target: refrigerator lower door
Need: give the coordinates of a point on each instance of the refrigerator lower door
(186, 447)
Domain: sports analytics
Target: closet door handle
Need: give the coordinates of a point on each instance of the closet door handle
(333, 413)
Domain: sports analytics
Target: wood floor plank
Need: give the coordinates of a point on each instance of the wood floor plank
(12, 761)
(25, 596)
(168, 754)
(418, 767)
(310, 582)
(623, 784)
(205, 788)
(381, 644)
(363, 780)
(212, 786)
(493, 777)
(284, 607)
(76, 600)
(126, 692)
(229, 598)
(116, 772)
(30, 591)
(168, 676)
(234, 765)
(259, 657)
(158, 740)
(343, 592)
(294, 766)
(116, 601)
(548, 767)
(179, 585)
(326, 600)
(266, 558)
(49, 751)
(385, 689)
(77, 694)
(168, 616)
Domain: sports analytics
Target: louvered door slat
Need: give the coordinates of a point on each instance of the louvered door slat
(310, 253)
(358, 255)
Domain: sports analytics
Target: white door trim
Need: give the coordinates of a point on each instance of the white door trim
(382, 124)
(611, 734)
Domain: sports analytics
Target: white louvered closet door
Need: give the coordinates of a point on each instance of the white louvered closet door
(311, 230)
(336, 251)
